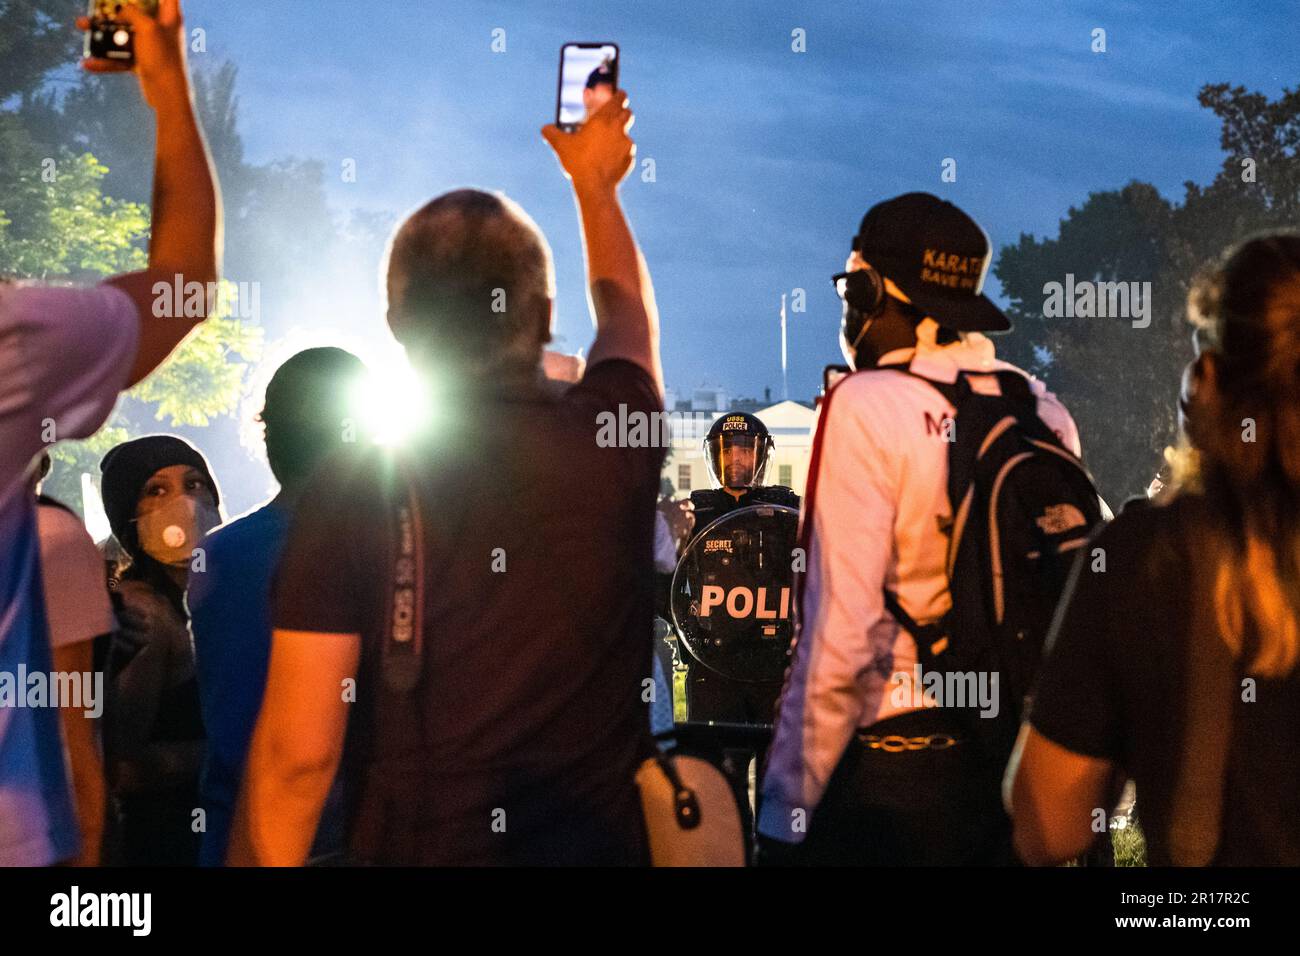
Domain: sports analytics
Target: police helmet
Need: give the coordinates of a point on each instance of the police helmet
(737, 449)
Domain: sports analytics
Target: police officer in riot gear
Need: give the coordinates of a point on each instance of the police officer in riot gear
(738, 448)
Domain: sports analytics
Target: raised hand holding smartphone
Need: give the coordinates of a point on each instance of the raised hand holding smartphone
(186, 237)
(109, 36)
(601, 153)
(157, 45)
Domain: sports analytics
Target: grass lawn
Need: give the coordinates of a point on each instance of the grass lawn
(1130, 846)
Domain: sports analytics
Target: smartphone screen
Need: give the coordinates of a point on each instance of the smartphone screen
(588, 78)
(108, 38)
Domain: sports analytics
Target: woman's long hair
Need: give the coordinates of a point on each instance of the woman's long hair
(1243, 426)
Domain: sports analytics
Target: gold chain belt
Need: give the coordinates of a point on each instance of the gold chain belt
(896, 743)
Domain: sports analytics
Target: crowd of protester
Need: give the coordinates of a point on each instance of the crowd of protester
(439, 656)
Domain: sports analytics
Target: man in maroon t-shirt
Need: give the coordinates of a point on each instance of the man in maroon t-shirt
(527, 721)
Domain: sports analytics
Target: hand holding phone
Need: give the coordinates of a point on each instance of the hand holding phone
(109, 36)
(153, 45)
(601, 153)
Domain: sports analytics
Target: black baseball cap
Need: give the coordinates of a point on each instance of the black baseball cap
(937, 255)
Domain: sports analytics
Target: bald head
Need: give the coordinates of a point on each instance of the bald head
(470, 282)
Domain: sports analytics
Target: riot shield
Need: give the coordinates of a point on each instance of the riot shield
(733, 594)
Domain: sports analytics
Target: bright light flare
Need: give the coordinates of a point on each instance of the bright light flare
(392, 403)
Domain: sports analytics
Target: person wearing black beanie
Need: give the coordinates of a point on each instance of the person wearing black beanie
(160, 498)
(127, 467)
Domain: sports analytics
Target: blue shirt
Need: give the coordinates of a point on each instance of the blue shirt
(230, 617)
(37, 822)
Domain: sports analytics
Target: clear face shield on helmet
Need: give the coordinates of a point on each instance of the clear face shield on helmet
(737, 461)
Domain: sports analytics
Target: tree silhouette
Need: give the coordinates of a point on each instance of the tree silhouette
(1121, 382)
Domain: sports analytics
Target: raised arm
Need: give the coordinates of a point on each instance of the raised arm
(597, 158)
(186, 236)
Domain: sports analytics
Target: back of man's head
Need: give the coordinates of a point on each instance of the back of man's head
(307, 410)
(470, 285)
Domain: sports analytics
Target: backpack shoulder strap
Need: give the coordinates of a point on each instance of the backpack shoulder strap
(931, 639)
(402, 640)
(954, 392)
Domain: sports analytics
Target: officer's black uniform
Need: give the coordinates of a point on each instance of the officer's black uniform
(712, 504)
(709, 695)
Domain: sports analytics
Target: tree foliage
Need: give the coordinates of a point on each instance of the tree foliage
(206, 376)
(56, 223)
(1120, 382)
(65, 218)
(37, 37)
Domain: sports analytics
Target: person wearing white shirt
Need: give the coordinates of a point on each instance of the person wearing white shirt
(875, 516)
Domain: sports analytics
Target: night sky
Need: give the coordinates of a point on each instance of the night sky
(765, 159)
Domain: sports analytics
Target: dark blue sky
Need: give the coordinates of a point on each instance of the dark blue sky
(765, 158)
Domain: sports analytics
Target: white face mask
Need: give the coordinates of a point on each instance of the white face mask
(171, 533)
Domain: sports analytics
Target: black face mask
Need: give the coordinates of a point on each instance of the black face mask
(862, 294)
(864, 330)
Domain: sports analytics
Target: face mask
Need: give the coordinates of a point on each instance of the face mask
(170, 534)
(856, 355)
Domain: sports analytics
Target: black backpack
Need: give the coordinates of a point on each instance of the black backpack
(1022, 508)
